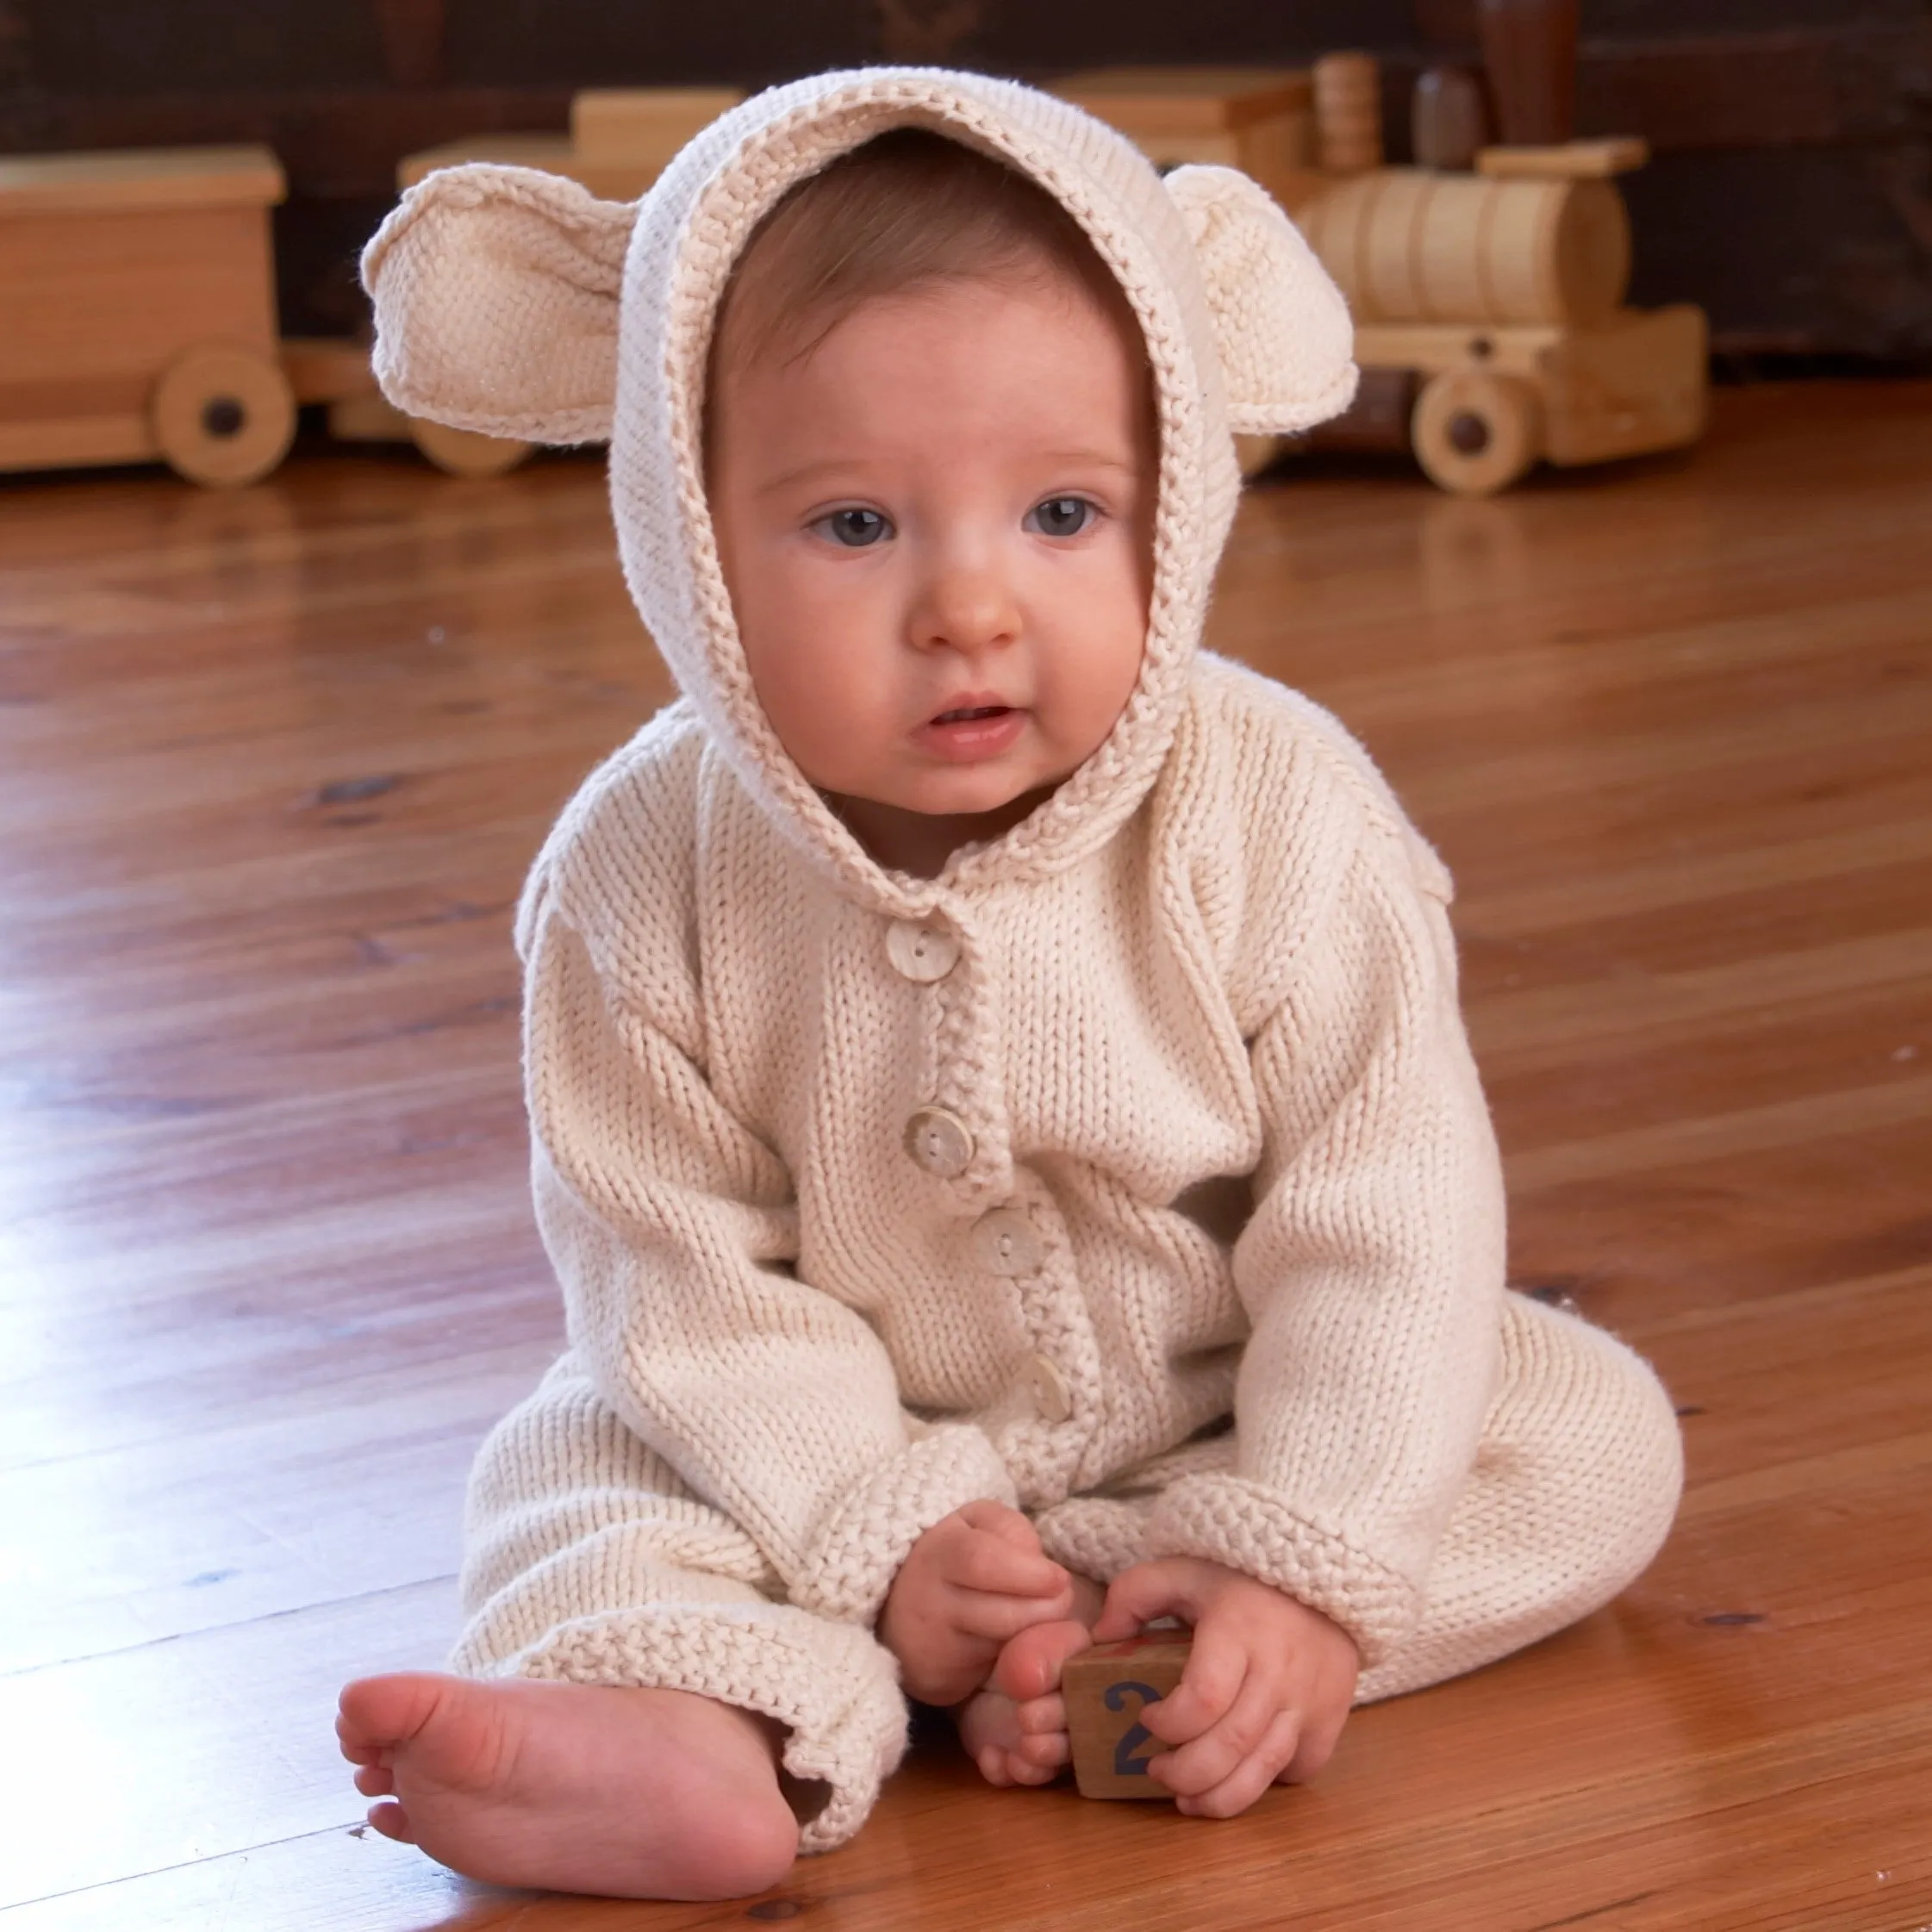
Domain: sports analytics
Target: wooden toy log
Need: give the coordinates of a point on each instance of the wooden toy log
(1106, 1688)
(1408, 245)
(1349, 112)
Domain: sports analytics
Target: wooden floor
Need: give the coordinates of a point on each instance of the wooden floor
(271, 766)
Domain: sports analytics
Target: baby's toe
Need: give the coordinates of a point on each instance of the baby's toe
(375, 1780)
(1040, 1716)
(1029, 1665)
(392, 1821)
(1045, 1753)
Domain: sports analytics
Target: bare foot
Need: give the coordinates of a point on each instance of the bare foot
(1015, 1728)
(573, 1787)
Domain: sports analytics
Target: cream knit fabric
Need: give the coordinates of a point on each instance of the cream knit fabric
(872, 1195)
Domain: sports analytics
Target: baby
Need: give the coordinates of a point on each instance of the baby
(1001, 1119)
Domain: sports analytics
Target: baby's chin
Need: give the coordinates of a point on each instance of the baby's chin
(915, 838)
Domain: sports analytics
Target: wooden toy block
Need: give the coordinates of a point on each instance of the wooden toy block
(609, 179)
(1106, 1688)
(647, 124)
(1260, 120)
(621, 139)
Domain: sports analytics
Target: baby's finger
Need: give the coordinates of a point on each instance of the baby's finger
(375, 1780)
(985, 1561)
(997, 1620)
(1206, 1693)
(1314, 1748)
(1249, 1779)
(1204, 1761)
(1139, 1595)
(996, 1519)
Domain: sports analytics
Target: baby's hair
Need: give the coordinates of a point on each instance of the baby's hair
(905, 210)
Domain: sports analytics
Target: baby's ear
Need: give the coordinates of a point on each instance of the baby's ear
(1286, 344)
(495, 292)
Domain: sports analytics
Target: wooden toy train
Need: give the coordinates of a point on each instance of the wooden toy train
(137, 317)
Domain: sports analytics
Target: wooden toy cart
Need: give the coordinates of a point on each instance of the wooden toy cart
(137, 311)
(620, 140)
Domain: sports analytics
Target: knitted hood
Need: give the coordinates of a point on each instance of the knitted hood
(516, 303)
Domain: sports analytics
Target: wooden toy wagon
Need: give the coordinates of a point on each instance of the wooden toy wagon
(137, 311)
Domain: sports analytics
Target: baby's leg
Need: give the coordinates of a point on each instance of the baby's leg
(573, 1787)
(1015, 1729)
(1575, 1487)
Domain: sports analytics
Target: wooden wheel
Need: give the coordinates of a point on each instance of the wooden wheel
(464, 452)
(222, 416)
(1476, 433)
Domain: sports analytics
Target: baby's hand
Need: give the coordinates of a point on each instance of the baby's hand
(1265, 1694)
(974, 1580)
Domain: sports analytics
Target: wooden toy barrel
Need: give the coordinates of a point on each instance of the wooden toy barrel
(1410, 245)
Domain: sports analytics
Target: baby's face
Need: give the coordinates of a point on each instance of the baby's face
(935, 530)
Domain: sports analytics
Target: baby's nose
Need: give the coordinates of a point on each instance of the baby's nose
(967, 607)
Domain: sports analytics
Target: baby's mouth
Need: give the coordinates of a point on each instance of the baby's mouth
(971, 713)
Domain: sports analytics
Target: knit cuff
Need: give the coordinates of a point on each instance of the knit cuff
(833, 1688)
(849, 1564)
(1229, 1520)
(1095, 1536)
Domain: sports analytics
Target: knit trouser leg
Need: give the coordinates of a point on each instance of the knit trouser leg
(588, 1560)
(1574, 1491)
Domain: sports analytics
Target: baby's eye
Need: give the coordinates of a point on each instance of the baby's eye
(855, 529)
(1061, 516)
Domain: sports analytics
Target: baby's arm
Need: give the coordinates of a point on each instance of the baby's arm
(973, 1581)
(1265, 1690)
(1371, 1268)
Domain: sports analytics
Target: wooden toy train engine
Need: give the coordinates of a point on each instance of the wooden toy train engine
(1486, 282)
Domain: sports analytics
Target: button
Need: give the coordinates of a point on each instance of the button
(921, 952)
(938, 1141)
(1004, 1243)
(1048, 1387)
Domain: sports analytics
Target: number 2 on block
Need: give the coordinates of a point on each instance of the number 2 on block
(1125, 1763)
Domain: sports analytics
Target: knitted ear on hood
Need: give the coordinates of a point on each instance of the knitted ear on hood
(495, 292)
(1281, 327)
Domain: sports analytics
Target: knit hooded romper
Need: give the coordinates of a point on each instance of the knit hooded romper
(872, 1195)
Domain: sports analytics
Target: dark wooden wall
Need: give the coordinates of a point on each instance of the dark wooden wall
(1792, 193)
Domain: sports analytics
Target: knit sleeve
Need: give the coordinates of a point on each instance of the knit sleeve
(673, 1230)
(1371, 1269)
